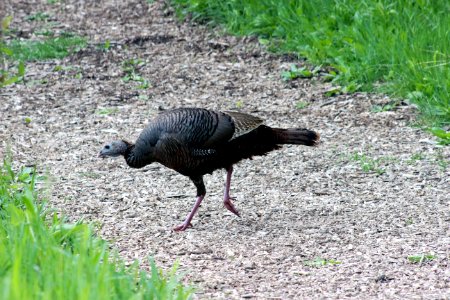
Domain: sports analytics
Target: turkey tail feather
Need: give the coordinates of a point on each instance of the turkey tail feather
(263, 140)
(298, 136)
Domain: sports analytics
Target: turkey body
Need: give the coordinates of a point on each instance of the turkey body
(195, 141)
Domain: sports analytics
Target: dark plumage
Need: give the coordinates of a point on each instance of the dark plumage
(195, 141)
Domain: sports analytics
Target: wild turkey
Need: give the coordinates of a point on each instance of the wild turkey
(195, 141)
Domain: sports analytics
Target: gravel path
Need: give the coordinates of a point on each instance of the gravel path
(372, 194)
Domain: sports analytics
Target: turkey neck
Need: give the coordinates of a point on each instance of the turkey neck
(134, 158)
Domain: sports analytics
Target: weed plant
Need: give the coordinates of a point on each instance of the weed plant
(54, 47)
(399, 47)
(42, 256)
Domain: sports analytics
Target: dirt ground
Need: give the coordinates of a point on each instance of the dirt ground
(297, 204)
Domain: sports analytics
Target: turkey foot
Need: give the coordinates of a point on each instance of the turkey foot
(183, 226)
(226, 195)
(230, 206)
(187, 223)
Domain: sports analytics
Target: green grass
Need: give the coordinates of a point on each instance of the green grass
(7, 75)
(441, 160)
(399, 47)
(443, 135)
(294, 73)
(44, 257)
(14, 52)
(39, 16)
(380, 164)
(421, 258)
(301, 104)
(321, 262)
(369, 164)
(107, 111)
(415, 157)
(54, 47)
(386, 107)
(131, 68)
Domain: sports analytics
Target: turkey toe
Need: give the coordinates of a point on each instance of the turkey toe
(230, 206)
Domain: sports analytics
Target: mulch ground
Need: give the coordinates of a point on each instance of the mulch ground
(373, 193)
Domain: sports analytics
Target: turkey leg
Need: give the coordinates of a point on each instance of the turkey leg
(226, 195)
(201, 192)
(187, 223)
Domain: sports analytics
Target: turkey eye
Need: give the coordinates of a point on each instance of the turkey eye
(107, 147)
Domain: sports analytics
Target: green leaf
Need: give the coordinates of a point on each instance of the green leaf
(319, 262)
(301, 104)
(5, 22)
(107, 111)
(10, 80)
(263, 41)
(420, 258)
(295, 73)
(21, 69)
(386, 107)
(333, 91)
(286, 75)
(441, 133)
(6, 50)
(351, 88)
